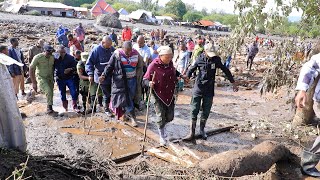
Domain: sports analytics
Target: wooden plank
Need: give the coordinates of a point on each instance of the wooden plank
(170, 158)
(135, 154)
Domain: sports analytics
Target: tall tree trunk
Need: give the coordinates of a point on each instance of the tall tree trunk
(305, 115)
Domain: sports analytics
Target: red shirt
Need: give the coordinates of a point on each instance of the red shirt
(126, 34)
(76, 43)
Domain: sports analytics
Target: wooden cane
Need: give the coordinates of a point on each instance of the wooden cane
(94, 104)
(147, 116)
(87, 103)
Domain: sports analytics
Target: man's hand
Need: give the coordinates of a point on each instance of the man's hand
(102, 78)
(91, 79)
(35, 87)
(67, 71)
(185, 78)
(13, 75)
(301, 99)
(151, 84)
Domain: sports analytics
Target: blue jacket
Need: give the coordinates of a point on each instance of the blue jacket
(61, 64)
(97, 61)
(15, 69)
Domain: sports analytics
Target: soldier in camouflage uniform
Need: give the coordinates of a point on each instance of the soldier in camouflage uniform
(84, 80)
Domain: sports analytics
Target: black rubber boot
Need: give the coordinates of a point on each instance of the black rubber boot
(190, 137)
(309, 162)
(202, 126)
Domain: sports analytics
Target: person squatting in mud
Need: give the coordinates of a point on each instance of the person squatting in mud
(163, 88)
(203, 90)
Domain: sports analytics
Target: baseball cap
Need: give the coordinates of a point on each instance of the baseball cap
(210, 50)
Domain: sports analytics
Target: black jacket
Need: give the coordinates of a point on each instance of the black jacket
(119, 87)
(204, 84)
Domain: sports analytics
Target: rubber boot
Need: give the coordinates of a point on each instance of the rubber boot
(163, 141)
(190, 137)
(50, 110)
(202, 126)
(309, 162)
(65, 105)
(75, 106)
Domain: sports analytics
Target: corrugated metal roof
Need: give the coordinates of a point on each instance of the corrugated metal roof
(42, 4)
(164, 17)
(206, 23)
(82, 9)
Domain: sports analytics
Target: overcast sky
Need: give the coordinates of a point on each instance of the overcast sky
(226, 5)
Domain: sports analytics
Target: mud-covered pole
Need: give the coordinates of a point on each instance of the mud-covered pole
(147, 117)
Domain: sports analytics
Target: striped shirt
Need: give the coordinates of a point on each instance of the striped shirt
(129, 63)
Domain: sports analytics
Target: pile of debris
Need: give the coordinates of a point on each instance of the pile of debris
(109, 20)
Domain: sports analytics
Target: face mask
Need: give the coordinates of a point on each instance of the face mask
(56, 55)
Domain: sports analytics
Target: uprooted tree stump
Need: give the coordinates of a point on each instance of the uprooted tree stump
(305, 115)
(109, 20)
(239, 163)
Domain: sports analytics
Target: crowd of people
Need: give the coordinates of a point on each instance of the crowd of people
(116, 80)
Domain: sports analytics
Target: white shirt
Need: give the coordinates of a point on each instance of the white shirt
(308, 73)
(144, 52)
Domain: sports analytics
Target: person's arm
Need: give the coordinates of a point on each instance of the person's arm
(225, 70)
(110, 66)
(307, 74)
(192, 69)
(89, 67)
(23, 62)
(80, 72)
(30, 55)
(32, 75)
(139, 68)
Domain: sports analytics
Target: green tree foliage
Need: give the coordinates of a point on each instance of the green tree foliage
(176, 7)
(192, 16)
(149, 5)
(129, 6)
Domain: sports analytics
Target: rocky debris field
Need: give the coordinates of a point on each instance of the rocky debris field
(62, 148)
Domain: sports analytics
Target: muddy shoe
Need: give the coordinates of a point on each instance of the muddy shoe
(108, 112)
(51, 112)
(190, 137)
(134, 123)
(23, 93)
(162, 135)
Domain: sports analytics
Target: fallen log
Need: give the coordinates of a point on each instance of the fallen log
(32, 37)
(243, 162)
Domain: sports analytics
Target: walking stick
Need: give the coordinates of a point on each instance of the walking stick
(94, 104)
(147, 117)
(85, 113)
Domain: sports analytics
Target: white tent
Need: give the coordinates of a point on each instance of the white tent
(143, 15)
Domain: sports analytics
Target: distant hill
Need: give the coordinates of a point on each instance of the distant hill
(294, 18)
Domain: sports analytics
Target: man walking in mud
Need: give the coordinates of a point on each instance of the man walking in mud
(97, 61)
(33, 51)
(203, 91)
(309, 157)
(43, 65)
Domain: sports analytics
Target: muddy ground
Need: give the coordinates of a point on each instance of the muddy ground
(255, 119)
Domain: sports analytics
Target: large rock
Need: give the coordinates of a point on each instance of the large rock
(109, 20)
(246, 162)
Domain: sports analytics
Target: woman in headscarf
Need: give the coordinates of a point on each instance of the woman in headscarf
(163, 88)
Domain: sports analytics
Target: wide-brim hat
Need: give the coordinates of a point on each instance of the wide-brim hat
(210, 50)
